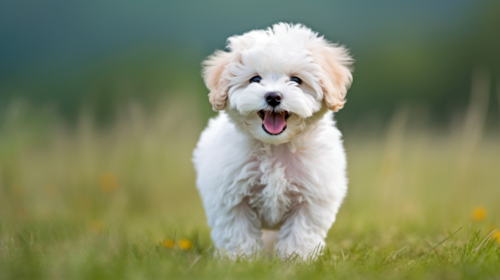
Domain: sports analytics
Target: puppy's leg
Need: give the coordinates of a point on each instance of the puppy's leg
(305, 229)
(269, 239)
(236, 231)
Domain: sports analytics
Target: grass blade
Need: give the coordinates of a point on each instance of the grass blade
(444, 240)
(484, 240)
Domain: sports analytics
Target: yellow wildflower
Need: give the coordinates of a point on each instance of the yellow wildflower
(479, 213)
(185, 244)
(168, 243)
(496, 235)
(108, 182)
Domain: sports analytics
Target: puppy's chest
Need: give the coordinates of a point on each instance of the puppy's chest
(274, 191)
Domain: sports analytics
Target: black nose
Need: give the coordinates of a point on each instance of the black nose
(273, 98)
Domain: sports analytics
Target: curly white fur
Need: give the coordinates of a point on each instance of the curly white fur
(293, 182)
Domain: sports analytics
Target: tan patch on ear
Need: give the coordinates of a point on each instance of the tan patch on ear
(335, 62)
(213, 74)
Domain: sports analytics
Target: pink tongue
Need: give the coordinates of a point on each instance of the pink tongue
(274, 122)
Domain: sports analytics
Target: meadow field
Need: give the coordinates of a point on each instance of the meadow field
(118, 201)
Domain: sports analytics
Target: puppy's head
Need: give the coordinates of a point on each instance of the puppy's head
(275, 83)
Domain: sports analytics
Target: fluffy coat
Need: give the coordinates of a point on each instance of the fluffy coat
(293, 181)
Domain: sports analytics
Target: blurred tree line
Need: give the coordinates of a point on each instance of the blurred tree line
(98, 55)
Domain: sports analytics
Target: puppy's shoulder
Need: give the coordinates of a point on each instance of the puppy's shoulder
(218, 137)
(218, 127)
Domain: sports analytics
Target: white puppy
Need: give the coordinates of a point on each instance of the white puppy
(273, 158)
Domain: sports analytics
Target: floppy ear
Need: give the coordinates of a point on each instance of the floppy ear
(335, 62)
(214, 69)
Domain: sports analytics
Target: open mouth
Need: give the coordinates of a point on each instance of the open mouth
(274, 123)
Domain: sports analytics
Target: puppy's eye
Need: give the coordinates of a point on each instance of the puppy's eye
(255, 79)
(297, 80)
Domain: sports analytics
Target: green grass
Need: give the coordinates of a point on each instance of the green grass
(410, 190)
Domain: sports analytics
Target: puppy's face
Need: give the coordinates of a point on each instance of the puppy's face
(275, 83)
(272, 92)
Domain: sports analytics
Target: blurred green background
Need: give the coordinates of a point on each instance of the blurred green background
(99, 53)
(102, 103)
